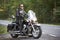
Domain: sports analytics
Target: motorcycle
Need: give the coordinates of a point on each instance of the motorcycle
(30, 28)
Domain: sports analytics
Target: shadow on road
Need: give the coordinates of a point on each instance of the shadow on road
(19, 38)
(43, 37)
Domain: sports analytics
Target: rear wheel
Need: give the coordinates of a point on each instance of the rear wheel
(14, 35)
(37, 33)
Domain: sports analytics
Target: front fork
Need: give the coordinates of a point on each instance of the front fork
(33, 28)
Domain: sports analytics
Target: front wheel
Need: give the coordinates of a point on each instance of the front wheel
(37, 33)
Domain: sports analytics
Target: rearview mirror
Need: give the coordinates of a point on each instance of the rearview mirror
(13, 17)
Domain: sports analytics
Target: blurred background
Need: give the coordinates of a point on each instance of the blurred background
(47, 11)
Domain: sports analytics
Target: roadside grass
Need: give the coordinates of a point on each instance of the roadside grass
(3, 29)
(51, 23)
(55, 23)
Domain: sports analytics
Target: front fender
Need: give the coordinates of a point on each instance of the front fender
(37, 24)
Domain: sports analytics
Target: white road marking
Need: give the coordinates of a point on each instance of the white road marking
(53, 35)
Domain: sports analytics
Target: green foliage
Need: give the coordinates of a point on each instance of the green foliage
(3, 29)
(3, 15)
(43, 8)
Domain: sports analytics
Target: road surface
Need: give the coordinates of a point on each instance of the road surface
(43, 37)
(49, 32)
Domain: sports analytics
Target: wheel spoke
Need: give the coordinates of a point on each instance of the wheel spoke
(36, 32)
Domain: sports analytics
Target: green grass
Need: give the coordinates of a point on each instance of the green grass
(54, 24)
(57, 24)
(3, 29)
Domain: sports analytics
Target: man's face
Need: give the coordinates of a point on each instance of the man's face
(21, 6)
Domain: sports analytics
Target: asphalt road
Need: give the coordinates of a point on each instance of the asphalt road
(43, 37)
(49, 32)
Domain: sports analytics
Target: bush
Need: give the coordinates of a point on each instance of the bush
(3, 29)
(3, 15)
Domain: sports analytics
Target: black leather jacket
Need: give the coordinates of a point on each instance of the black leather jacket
(20, 15)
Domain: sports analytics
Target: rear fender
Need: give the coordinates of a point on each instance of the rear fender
(11, 26)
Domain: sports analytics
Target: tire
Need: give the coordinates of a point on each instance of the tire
(14, 35)
(38, 35)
